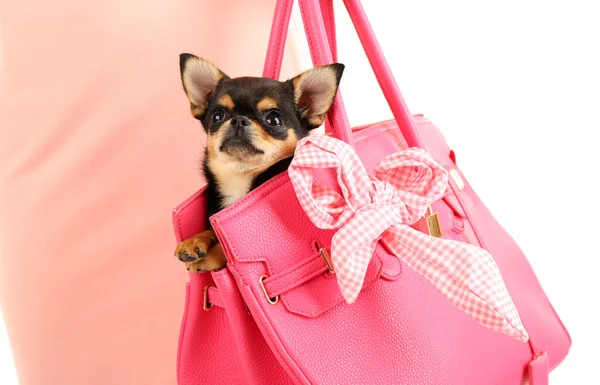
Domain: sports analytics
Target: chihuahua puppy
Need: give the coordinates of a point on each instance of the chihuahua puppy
(253, 125)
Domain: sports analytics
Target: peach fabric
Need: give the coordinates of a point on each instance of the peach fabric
(97, 145)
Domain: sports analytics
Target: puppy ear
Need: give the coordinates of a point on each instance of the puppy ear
(200, 78)
(314, 91)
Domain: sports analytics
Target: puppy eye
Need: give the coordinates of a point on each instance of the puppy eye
(218, 115)
(274, 119)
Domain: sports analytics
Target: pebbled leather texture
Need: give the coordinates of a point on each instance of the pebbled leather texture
(303, 301)
(223, 345)
(235, 353)
(200, 358)
(400, 330)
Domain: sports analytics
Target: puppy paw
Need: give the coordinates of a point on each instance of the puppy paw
(196, 247)
(214, 260)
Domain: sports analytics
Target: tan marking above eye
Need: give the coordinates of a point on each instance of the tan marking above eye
(197, 111)
(226, 101)
(266, 103)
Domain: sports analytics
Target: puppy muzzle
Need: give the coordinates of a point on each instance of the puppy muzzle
(238, 139)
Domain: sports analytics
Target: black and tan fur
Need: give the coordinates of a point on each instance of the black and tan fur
(253, 125)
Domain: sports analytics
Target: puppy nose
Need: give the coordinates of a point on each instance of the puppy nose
(240, 123)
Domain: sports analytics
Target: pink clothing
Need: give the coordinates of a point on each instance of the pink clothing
(97, 145)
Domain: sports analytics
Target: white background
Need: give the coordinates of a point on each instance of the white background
(515, 87)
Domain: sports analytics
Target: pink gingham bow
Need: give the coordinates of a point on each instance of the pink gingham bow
(381, 208)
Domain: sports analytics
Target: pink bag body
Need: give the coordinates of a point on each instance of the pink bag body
(276, 315)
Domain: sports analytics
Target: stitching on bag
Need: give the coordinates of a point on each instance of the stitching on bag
(234, 252)
(336, 299)
(183, 329)
(391, 277)
(179, 231)
(280, 50)
(281, 352)
(308, 38)
(333, 43)
(271, 186)
(198, 194)
(250, 198)
(185, 206)
(291, 271)
(305, 278)
(273, 189)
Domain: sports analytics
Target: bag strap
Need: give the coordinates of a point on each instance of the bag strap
(279, 27)
(277, 38)
(320, 50)
(329, 21)
(321, 53)
(275, 50)
(383, 73)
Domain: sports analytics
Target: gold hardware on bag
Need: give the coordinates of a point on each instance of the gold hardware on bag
(207, 306)
(457, 179)
(326, 258)
(262, 286)
(433, 223)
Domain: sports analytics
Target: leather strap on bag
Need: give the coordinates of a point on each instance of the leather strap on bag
(321, 44)
(279, 29)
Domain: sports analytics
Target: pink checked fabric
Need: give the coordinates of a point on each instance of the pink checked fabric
(381, 207)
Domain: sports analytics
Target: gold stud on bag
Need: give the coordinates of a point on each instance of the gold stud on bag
(433, 223)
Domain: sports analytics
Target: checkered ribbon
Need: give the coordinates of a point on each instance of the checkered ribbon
(381, 207)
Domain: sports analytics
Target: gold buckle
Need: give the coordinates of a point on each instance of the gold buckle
(262, 286)
(207, 306)
(433, 223)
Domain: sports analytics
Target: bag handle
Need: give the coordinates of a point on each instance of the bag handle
(277, 38)
(321, 54)
(272, 68)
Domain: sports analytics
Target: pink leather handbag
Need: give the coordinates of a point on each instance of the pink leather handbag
(276, 314)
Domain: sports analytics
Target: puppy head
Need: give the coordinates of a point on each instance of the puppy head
(252, 123)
